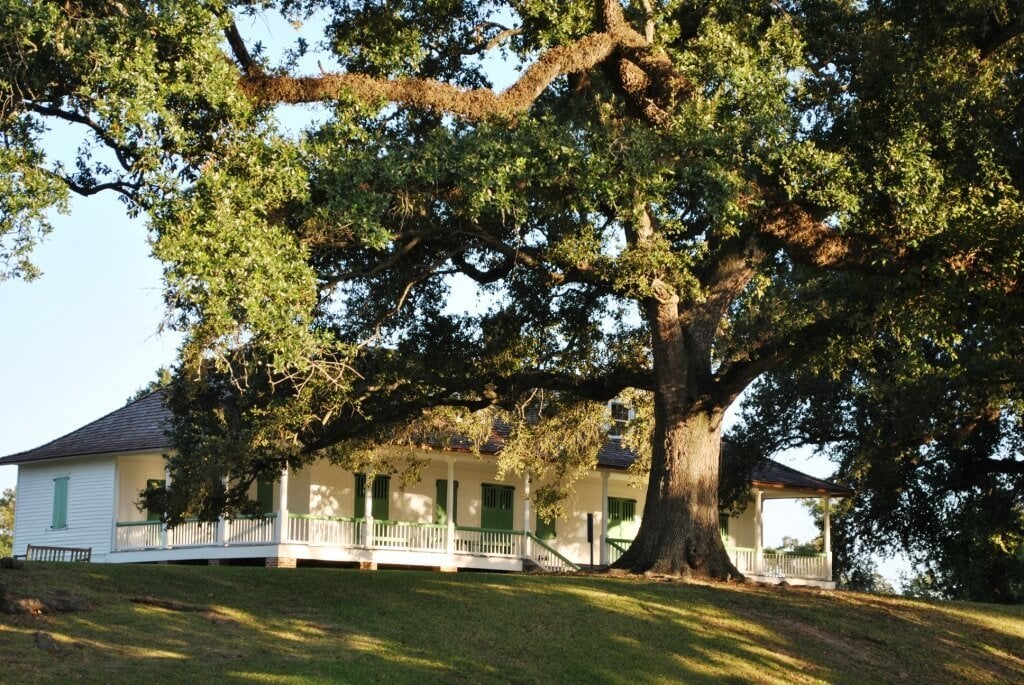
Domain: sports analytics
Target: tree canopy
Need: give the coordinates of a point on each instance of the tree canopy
(671, 197)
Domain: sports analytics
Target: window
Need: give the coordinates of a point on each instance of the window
(381, 486)
(620, 417)
(60, 502)
(621, 518)
(497, 506)
(545, 529)
(152, 484)
(265, 495)
(723, 526)
(441, 502)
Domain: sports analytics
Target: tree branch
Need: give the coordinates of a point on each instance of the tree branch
(441, 97)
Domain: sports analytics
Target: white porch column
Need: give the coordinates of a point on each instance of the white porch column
(604, 518)
(163, 526)
(222, 525)
(449, 513)
(368, 510)
(826, 534)
(281, 525)
(758, 534)
(526, 514)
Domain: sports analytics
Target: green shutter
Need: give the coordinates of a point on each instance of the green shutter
(153, 483)
(545, 529)
(60, 502)
(723, 526)
(265, 496)
(497, 507)
(381, 486)
(441, 502)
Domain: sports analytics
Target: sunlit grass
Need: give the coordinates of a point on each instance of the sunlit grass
(330, 625)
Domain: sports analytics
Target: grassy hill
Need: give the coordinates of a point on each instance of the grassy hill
(247, 624)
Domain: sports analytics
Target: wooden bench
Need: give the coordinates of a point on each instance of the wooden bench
(43, 553)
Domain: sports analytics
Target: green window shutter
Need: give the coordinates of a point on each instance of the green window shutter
(497, 508)
(265, 496)
(441, 502)
(60, 502)
(723, 526)
(545, 529)
(152, 483)
(381, 486)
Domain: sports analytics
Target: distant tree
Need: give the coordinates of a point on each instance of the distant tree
(164, 375)
(673, 197)
(930, 434)
(7, 522)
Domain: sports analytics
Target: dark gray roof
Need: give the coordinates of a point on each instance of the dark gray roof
(137, 426)
(141, 425)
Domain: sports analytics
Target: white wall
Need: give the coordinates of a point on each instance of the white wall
(90, 510)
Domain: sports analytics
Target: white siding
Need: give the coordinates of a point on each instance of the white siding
(90, 505)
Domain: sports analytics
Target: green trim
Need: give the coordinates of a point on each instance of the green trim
(473, 529)
(616, 543)
(311, 517)
(61, 487)
(540, 542)
(126, 524)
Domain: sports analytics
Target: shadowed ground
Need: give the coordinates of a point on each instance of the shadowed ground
(249, 624)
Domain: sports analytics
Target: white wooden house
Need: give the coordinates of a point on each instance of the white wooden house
(81, 490)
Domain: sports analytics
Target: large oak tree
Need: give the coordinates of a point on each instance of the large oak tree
(672, 197)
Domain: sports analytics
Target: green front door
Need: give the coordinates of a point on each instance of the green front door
(498, 504)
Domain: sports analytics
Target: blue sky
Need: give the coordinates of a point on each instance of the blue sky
(78, 341)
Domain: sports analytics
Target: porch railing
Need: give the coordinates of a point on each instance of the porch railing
(138, 535)
(616, 548)
(251, 531)
(547, 558)
(782, 565)
(332, 531)
(421, 537)
(488, 541)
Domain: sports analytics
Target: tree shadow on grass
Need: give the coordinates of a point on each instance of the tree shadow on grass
(329, 625)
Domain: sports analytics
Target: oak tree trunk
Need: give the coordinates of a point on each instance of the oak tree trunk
(679, 532)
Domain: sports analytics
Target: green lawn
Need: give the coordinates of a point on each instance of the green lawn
(332, 625)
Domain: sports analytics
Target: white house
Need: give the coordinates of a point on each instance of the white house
(81, 490)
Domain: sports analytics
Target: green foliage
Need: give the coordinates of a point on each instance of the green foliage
(676, 199)
(7, 522)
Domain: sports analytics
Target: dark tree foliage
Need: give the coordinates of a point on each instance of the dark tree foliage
(673, 198)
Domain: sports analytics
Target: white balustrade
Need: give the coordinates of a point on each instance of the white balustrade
(141, 535)
(791, 565)
(324, 530)
(425, 537)
(498, 543)
(249, 531)
(192, 534)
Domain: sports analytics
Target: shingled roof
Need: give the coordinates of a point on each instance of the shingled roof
(141, 425)
(137, 426)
